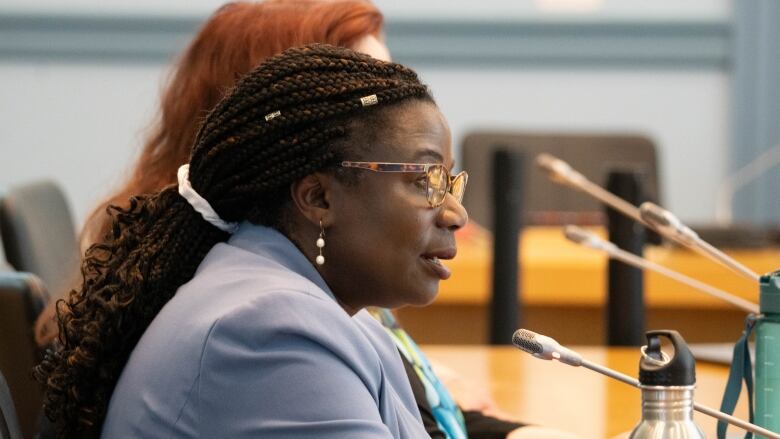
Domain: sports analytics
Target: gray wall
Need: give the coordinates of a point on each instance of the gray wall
(756, 107)
(78, 86)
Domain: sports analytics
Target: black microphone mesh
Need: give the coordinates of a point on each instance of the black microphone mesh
(525, 340)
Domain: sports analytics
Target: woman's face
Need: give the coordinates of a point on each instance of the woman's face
(386, 245)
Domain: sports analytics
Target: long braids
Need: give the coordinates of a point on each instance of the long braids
(279, 124)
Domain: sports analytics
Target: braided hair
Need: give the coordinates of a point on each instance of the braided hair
(288, 118)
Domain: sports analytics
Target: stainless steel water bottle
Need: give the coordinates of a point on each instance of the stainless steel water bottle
(667, 384)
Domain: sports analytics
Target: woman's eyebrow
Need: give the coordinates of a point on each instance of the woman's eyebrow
(434, 154)
(428, 153)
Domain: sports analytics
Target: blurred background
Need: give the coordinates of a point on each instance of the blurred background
(79, 84)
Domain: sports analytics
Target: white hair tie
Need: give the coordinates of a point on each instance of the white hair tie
(199, 203)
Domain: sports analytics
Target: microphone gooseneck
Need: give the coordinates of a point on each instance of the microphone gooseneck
(537, 344)
(590, 240)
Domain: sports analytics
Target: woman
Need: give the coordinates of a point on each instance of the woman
(222, 307)
(238, 37)
(235, 38)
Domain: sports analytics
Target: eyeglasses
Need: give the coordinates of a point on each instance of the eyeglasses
(438, 181)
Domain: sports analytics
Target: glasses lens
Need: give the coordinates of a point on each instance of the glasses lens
(459, 185)
(437, 184)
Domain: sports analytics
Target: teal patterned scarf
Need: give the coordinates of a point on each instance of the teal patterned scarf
(445, 411)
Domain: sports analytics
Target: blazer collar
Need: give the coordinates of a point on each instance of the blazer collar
(272, 244)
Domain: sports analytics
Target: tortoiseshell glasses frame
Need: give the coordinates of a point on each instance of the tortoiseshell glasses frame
(438, 181)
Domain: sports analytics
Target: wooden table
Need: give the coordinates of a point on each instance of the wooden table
(572, 398)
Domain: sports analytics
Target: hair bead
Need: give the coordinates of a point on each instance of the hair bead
(270, 116)
(369, 100)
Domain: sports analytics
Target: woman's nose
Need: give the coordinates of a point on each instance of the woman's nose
(452, 215)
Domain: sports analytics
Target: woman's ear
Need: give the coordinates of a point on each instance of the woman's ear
(311, 196)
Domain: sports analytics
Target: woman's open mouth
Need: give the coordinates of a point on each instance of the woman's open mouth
(439, 269)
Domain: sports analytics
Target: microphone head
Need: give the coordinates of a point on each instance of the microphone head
(585, 238)
(557, 170)
(666, 222)
(524, 340)
(576, 234)
(544, 347)
(657, 215)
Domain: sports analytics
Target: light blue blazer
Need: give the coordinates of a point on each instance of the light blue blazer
(255, 346)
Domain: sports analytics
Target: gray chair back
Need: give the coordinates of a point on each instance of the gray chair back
(593, 155)
(9, 425)
(21, 300)
(38, 233)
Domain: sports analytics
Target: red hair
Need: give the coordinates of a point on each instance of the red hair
(236, 38)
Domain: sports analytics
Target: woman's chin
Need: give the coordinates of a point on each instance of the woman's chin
(423, 297)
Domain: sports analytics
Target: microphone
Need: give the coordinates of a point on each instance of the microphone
(590, 240)
(560, 172)
(669, 225)
(584, 238)
(544, 347)
(666, 223)
(537, 344)
(651, 215)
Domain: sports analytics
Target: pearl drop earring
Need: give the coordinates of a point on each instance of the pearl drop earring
(320, 244)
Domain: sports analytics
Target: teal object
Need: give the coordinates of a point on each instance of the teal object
(446, 412)
(741, 369)
(767, 408)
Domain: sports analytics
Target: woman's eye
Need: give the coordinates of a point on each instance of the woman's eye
(421, 181)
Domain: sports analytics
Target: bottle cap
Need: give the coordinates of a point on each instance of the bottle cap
(769, 299)
(656, 368)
